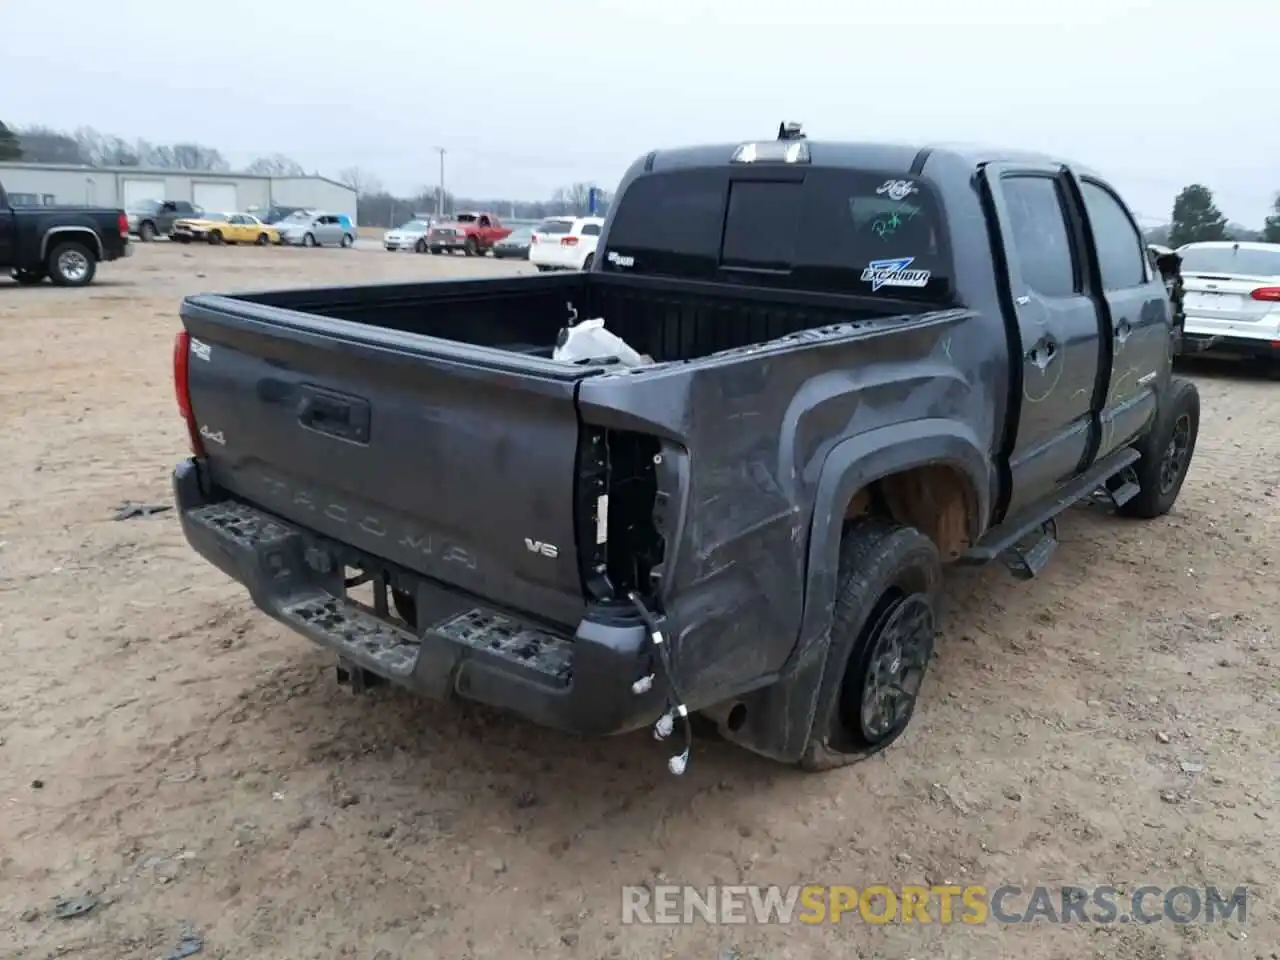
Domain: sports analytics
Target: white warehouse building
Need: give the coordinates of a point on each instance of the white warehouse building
(44, 184)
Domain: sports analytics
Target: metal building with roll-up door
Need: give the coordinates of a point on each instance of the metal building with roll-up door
(57, 183)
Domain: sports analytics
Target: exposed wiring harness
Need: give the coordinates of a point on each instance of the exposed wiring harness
(666, 723)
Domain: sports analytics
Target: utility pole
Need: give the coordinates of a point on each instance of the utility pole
(440, 193)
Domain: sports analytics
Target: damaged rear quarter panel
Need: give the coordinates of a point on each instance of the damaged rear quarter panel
(758, 424)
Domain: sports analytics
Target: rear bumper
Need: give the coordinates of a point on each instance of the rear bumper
(579, 683)
(1248, 348)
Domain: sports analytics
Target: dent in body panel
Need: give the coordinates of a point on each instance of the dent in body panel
(737, 586)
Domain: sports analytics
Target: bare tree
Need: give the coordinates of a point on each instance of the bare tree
(276, 165)
(44, 145)
(576, 199)
(361, 182)
(106, 150)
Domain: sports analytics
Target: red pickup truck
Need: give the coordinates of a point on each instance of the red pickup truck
(472, 233)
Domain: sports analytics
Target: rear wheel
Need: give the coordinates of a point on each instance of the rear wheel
(262, 240)
(71, 264)
(586, 264)
(147, 232)
(881, 640)
(29, 278)
(1166, 452)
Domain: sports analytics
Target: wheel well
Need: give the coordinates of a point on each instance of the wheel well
(81, 235)
(937, 499)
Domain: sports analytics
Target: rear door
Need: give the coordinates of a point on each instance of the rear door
(1059, 372)
(1137, 314)
(590, 240)
(1221, 283)
(450, 461)
(329, 229)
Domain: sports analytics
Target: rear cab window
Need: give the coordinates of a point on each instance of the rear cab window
(554, 226)
(874, 233)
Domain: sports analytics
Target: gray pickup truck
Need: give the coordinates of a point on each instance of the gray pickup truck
(868, 362)
(149, 219)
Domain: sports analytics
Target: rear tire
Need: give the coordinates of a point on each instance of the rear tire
(1166, 451)
(882, 633)
(262, 240)
(147, 232)
(586, 264)
(29, 278)
(71, 264)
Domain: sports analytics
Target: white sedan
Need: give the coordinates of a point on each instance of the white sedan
(565, 243)
(408, 236)
(1231, 297)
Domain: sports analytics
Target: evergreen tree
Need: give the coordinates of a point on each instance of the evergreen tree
(1271, 228)
(1195, 218)
(10, 146)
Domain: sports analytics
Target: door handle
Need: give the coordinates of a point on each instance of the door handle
(1043, 352)
(1122, 331)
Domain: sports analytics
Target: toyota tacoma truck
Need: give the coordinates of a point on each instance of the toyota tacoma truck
(64, 244)
(868, 362)
(474, 234)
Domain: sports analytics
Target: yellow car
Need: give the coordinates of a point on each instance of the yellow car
(224, 228)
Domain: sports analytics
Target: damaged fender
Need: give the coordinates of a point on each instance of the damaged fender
(780, 717)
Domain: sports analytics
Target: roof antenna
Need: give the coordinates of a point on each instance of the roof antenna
(789, 131)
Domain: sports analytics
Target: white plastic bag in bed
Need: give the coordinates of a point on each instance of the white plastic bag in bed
(589, 340)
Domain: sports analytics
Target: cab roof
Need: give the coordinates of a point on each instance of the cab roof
(861, 155)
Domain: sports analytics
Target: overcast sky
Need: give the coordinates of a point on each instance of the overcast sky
(527, 95)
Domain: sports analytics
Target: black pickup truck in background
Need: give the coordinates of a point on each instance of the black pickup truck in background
(64, 244)
(868, 361)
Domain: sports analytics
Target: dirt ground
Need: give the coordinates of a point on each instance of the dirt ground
(196, 769)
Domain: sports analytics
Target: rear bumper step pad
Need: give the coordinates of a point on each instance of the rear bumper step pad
(581, 683)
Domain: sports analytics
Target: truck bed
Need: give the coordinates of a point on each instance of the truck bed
(668, 320)
(425, 425)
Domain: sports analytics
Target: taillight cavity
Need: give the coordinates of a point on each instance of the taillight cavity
(182, 389)
(1267, 294)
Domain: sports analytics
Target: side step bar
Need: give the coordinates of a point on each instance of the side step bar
(1026, 541)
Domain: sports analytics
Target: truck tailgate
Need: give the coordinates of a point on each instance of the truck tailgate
(453, 461)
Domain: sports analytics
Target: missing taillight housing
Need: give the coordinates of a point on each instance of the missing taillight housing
(182, 389)
(619, 544)
(1268, 294)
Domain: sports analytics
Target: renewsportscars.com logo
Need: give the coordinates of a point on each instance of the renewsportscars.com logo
(936, 904)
